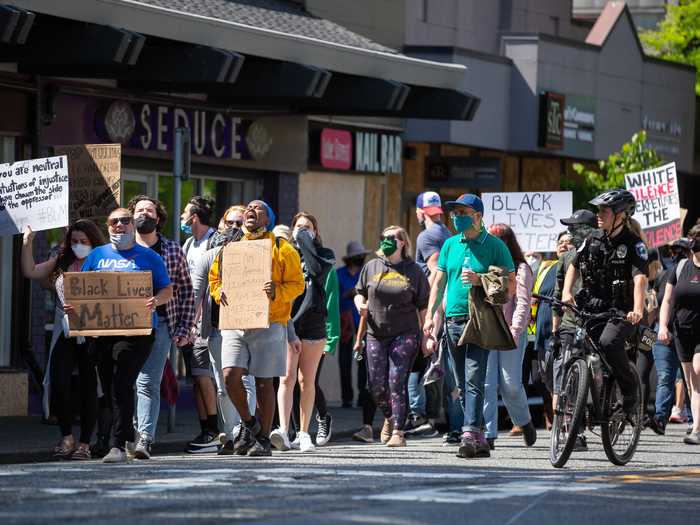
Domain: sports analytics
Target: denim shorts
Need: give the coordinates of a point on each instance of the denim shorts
(263, 352)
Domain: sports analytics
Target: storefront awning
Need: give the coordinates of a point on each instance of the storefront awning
(243, 58)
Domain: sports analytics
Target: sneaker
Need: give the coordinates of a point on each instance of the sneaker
(492, 443)
(211, 449)
(325, 430)
(677, 416)
(63, 450)
(473, 445)
(387, 430)
(261, 448)
(226, 449)
(82, 453)
(246, 438)
(223, 438)
(451, 438)
(280, 440)
(116, 455)
(689, 430)
(295, 444)
(365, 434)
(581, 445)
(305, 443)
(529, 434)
(101, 447)
(143, 448)
(692, 439)
(397, 439)
(415, 421)
(658, 426)
(204, 439)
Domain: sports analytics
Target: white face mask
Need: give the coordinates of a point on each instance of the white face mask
(122, 241)
(81, 250)
(296, 231)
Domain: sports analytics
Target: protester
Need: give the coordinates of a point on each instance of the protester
(230, 420)
(121, 358)
(309, 314)
(66, 353)
(430, 216)
(683, 295)
(392, 292)
(261, 353)
(462, 258)
(348, 275)
(195, 221)
(175, 319)
(504, 371)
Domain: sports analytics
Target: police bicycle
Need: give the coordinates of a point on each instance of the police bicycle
(590, 396)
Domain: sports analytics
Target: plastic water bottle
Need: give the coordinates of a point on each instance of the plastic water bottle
(466, 265)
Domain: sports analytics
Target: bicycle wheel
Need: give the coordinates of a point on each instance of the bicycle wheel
(620, 432)
(568, 413)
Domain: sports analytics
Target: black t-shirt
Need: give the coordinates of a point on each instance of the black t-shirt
(686, 296)
(158, 248)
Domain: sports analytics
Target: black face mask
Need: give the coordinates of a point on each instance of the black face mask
(145, 224)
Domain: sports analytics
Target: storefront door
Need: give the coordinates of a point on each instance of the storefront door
(7, 150)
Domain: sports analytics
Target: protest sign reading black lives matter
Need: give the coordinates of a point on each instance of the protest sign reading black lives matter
(109, 303)
(658, 205)
(33, 193)
(534, 216)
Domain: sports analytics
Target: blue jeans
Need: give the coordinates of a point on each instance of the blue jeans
(148, 381)
(470, 367)
(667, 366)
(455, 410)
(416, 394)
(504, 374)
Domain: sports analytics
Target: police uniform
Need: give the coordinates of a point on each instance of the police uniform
(608, 267)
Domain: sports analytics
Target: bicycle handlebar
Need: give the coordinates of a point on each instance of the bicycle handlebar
(578, 312)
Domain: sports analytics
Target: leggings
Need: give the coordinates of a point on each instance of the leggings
(389, 363)
(66, 354)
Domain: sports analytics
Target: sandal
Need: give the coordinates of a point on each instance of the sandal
(82, 453)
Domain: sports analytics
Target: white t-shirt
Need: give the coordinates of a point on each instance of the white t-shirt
(196, 248)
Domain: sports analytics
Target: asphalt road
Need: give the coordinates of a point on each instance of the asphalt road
(357, 483)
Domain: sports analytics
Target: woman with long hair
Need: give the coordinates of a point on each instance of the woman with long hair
(392, 294)
(504, 372)
(309, 314)
(66, 353)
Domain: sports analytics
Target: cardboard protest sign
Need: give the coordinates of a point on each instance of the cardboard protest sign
(109, 303)
(95, 171)
(247, 266)
(658, 204)
(35, 193)
(534, 216)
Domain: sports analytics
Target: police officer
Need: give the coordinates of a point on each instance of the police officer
(612, 263)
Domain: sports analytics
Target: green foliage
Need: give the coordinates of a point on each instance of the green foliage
(677, 37)
(634, 156)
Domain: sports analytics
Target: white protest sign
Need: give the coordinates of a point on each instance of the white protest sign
(658, 204)
(534, 216)
(35, 193)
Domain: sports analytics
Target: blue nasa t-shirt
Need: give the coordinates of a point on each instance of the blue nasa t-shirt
(136, 259)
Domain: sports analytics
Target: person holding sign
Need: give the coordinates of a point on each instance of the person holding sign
(463, 257)
(175, 318)
(613, 265)
(262, 352)
(64, 352)
(122, 357)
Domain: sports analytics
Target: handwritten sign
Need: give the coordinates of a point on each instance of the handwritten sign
(658, 204)
(534, 216)
(247, 266)
(94, 171)
(109, 303)
(35, 193)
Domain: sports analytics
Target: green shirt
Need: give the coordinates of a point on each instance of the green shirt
(484, 251)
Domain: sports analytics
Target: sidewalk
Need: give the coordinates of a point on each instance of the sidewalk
(28, 439)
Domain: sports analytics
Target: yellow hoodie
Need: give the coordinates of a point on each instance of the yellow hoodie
(286, 274)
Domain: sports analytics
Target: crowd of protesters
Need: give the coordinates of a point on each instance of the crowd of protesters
(436, 336)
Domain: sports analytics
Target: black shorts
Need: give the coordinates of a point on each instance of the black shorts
(311, 326)
(687, 344)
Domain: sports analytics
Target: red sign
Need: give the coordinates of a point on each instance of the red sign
(336, 149)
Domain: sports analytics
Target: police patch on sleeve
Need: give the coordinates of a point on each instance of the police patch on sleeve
(641, 250)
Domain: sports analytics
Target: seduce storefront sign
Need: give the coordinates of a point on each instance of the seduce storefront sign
(356, 150)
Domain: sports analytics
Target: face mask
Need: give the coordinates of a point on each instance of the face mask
(145, 224)
(186, 227)
(462, 223)
(81, 250)
(122, 241)
(388, 247)
(308, 232)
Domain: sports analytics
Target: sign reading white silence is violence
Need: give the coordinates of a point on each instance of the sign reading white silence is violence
(534, 216)
(658, 205)
(35, 193)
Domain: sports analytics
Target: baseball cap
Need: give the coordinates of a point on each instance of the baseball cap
(469, 200)
(581, 217)
(430, 203)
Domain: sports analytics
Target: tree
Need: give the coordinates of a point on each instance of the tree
(634, 156)
(677, 37)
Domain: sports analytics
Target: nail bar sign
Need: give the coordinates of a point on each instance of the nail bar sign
(365, 151)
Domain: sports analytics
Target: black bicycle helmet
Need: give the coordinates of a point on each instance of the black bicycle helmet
(617, 200)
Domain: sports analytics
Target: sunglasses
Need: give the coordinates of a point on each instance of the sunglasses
(117, 220)
(389, 238)
(231, 224)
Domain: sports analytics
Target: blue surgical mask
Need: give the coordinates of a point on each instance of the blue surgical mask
(462, 223)
(186, 227)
